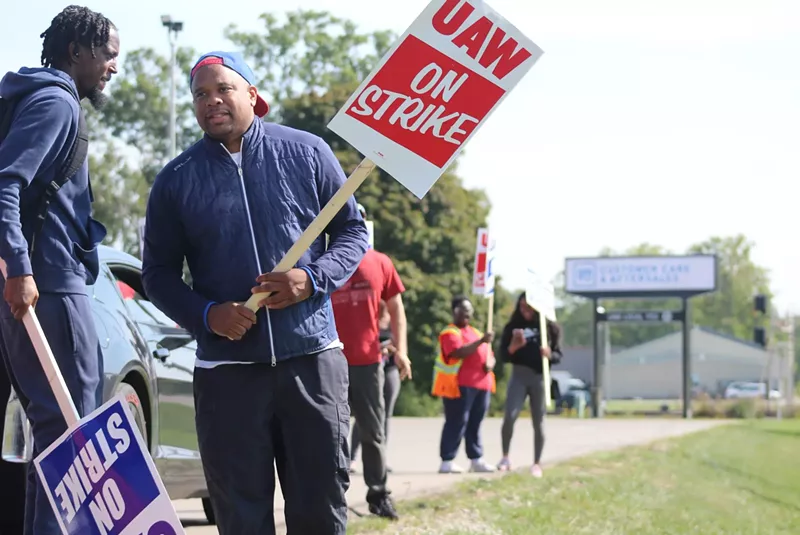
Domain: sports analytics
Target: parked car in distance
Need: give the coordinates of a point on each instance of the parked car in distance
(749, 389)
(150, 361)
(573, 399)
(562, 381)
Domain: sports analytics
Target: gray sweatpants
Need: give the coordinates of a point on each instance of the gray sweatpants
(391, 391)
(524, 383)
(369, 409)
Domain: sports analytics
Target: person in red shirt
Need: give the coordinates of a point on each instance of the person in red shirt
(464, 414)
(356, 307)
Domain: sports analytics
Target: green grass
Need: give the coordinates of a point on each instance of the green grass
(741, 478)
(640, 405)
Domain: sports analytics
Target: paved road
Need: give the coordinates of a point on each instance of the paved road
(414, 447)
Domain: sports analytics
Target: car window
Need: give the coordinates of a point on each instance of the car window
(141, 309)
(152, 312)
(106, 291)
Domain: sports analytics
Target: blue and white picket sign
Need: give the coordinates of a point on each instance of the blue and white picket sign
(101, 480)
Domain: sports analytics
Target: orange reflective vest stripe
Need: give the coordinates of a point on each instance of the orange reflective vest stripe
(445, 376)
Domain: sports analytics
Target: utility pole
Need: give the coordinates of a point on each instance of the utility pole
(786, 364)
(791, 358)
(777, 338)
(763, 337)
(173, 27)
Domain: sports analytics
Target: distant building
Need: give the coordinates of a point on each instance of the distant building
(653, 370)
(579, 362)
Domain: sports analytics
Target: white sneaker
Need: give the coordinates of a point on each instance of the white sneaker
(479, 465)
(504, 465)
(449, 467)
(536, 471)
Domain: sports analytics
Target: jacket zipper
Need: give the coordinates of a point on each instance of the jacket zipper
(253, 240)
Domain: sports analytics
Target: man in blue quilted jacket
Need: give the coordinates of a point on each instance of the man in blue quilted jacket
(270, 388)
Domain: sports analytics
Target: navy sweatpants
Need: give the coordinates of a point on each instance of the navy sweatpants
(68, 324)
(252, 417)
(462, 420)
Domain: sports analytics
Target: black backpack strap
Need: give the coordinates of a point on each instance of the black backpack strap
(78, 152)
(6, 115)
(75, 160)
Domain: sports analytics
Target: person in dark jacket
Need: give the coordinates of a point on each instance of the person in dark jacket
(521, 345)
(79, 56)
(270, 387)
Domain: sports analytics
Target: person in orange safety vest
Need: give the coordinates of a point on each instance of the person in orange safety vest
(464, 379)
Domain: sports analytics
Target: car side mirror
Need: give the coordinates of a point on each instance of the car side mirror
(175, 341)
(161, 353)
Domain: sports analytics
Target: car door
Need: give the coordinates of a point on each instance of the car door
(120, 340)
(174, 348)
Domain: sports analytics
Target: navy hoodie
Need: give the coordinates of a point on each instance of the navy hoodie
(44, 127)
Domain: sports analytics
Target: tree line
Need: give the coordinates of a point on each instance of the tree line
(308, 63)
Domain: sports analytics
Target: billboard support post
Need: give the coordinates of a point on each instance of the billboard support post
(599, 366)
(687, 360)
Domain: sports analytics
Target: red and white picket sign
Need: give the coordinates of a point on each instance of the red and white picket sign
(483, 274)
(423, 101)
(432, 91)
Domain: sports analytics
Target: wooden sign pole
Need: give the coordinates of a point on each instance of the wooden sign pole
(545, 361)
(490, 315)
(48, 362)
(317, 227)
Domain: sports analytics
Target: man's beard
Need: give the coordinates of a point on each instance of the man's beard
(97, 99)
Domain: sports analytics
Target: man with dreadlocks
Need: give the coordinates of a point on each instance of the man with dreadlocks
(48, 239)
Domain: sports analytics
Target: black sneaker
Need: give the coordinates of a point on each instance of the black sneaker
(382, 505)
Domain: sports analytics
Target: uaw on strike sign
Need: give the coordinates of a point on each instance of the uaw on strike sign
(429, 95)
(100, 480)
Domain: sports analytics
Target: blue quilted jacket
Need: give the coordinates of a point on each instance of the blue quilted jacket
(233, 223)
